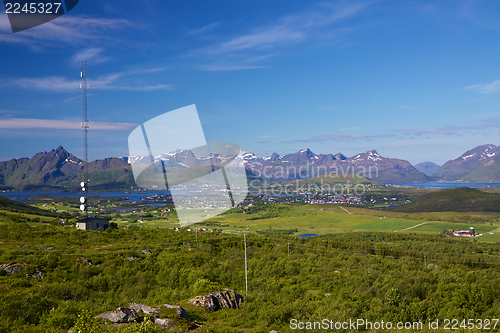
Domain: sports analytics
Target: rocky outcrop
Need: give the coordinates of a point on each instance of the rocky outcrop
(163, 322)
(217, 300)
(144, 308)
(85, 260)
(12, 267)
(120, 315)
(178, 309)
(37, 275)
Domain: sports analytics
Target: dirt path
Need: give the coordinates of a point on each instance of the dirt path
(417, 225)
(345, 210)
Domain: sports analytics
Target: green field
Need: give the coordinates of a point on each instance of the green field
(332, 219)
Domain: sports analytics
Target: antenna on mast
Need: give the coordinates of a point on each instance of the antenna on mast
(85, 126)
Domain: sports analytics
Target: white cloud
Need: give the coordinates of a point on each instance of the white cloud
(486, 88)
(90, 55)
(291, 29)
(339, 137)
(113, 81)
(451, 130)
(404, 132)
(204, 29)
(271, 37)
(244, 51)
(65, 29)
(55, 124)
(217, 68)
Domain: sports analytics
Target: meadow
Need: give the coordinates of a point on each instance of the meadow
(358, 267)
(330, 218)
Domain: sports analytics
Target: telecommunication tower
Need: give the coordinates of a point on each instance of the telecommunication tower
(85, 126)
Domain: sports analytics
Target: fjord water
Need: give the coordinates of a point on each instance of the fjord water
(136, 196)
(446, 185)
(131, 196)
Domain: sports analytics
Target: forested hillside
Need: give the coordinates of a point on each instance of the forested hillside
(356, 275)
(463, 199)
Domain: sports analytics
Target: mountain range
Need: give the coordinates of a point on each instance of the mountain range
(478, 165)
(427, 168)
(59, 169)
(305, 164)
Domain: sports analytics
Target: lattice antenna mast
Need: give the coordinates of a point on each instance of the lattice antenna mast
(85, 126)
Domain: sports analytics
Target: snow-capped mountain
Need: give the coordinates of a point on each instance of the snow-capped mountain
(481, 164)
(304, 164)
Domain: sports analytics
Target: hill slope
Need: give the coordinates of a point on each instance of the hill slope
(305, 164)
(18, 207)
(427, 168)
(463, 199)
(60, 169)
(481, 164)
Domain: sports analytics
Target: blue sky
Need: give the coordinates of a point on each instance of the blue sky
(416, 80)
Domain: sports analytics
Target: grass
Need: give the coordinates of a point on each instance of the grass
(296, 219)
(387, 224)
(328, 219)
(435, 227)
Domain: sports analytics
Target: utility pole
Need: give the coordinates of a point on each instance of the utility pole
(246, 267)
(85, 126)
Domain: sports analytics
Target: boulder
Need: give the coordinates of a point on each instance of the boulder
(218, 299)
(38, 274)
(273, 331)
(12, 267)
(144, 308)
(179, 310)
(163, 322)
(131, 258)
(85, 260)
(120, 315)
(147, 251)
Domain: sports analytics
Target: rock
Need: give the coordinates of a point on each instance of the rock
(120, 315)
(217, 300)
(147, 251)
(38, 274)
(48, 248)
(85, 260)
(144, 308)
(328, 294)
(273, 331)
(12, 267)
(131, 258)
(163, 322)
(179, 310)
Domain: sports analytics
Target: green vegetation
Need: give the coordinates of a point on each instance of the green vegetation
(375, 264)
(461, 199)
(369, 274)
